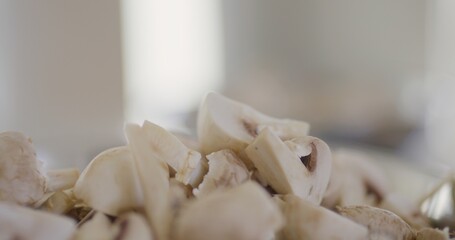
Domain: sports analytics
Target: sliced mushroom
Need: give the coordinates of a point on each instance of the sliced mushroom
(99, 227)
(153, 175)
(61, 179)
(405, 209)
(22, 178)
(226, 124)
(109, 183)
(59, 203)
(132, 226)
(380, 222)
(355, 180)
(300, 166)
(178, 194)
(17, 222)
(188, 140)
(199, 172)
(244, 212)
(305, 220)
(226, 170)
(432, 234)
(171, 150)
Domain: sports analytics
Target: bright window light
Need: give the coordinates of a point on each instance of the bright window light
(172, 57)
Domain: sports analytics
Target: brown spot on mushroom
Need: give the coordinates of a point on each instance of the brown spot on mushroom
(310, 160)
(373, 190)
(250, 127)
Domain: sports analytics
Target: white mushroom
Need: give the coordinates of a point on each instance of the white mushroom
(381, 223)
(432, 234)
(59, 203)
(188, 140)
(179, 193)
(17, 222)
(170, 149)
(405, 209)
(244, 212)
(355, 180)
(132, 226)
(153, 175)
(61, 179)
(226, 124)
(226, 170)
(305, 220)
(300, 166)
(99, 227)
(22, 178)
(109, 183)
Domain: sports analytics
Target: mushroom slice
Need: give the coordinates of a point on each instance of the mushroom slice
(170, 149)
(405, 209)
(300, 166)
(226, 170)
(305, 220)
(99, 227)
(188, 140)
(199, 172)
(178, 195)
(243, 212)
(61, 179)
(153, 175)
(17, 222)
(22, 179)
(226, 124)
(109, 183)
(132, 226)
(432, 234)
(355, 180)
(59, 203)
(380, 222)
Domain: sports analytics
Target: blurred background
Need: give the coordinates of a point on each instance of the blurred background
(367, 73)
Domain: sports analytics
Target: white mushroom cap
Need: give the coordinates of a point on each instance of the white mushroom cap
(381, 223)
(22, 179)
(109, 183)
(355, 180)
(132, 226)
(300, 166)
(17, 222)
(226, 124)
(305, 220)
(153, 173)
(244, 212)
(168, 148)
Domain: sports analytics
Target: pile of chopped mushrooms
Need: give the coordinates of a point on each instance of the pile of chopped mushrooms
(248, 176)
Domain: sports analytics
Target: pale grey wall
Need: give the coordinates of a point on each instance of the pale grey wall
(60, 76)
(338, 64)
